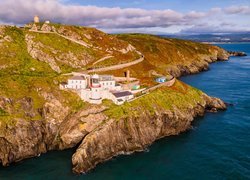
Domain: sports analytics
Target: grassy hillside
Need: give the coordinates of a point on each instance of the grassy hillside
(77, 48)
(164, 54)
(24, 77)
(179, 96)
(29, 63)
(28, 84)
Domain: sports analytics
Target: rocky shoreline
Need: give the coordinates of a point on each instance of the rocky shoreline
(236, 53)
(201, 65)
(134, 135)
(99, 141)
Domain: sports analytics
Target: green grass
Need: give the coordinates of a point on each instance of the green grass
(3, 113)
(27, 77)
(180, 95)
(165, 54)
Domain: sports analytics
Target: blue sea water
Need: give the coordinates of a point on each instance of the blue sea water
(218, 147)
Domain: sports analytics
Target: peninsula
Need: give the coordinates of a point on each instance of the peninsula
(64, 86)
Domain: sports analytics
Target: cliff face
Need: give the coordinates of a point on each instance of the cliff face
(24, 139)
(135, 134)
(104, 131)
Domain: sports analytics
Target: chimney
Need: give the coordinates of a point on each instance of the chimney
(128, 76)
(88, 81)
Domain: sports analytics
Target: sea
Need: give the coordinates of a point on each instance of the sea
(217, 147)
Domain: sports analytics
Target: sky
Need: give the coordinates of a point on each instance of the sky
(143, 16)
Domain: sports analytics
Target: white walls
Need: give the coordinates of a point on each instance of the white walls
(108, 85)
(77, 84)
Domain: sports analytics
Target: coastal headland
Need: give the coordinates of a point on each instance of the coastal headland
(36, 116)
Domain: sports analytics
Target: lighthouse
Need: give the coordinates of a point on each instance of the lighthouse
(36, 19)
(96, 96)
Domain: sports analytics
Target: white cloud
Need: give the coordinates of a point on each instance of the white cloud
(195, 15)
(19, 11)
(22, 11)
(238, 10)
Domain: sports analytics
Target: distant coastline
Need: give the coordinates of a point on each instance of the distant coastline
(231, 38)
(233, 42)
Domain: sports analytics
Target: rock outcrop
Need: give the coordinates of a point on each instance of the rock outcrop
(101, 137)
(236, 53)
(57, 130)
(200, 65)
(54, 57)
(36, 52)
(135, 134)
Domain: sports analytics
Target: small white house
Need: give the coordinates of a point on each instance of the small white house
(121, 97)
(77, 82)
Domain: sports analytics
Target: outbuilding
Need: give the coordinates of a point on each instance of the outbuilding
(161, 79)
(121, 97)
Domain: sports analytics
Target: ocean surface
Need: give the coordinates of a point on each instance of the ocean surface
(218, 147)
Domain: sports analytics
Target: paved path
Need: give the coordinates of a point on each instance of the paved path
(75, 41)
(65, 37)
(118, 66)
(146, 91)
(168, 84)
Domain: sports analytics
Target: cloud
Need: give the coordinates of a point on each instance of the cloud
(22, 12)
(195, 15)
(215, 10)
(237, 10)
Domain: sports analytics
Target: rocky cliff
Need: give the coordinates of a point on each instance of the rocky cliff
(104, 131)
(134, 133)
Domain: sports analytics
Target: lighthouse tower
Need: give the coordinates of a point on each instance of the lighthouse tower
(96, 96)
(36, 19)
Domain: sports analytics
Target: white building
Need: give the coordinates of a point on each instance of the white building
(95, 88)
(121, 97)
(107, 82)
(77, 82)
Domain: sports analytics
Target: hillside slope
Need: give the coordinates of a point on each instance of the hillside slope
(76, 48)
(171, 56)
